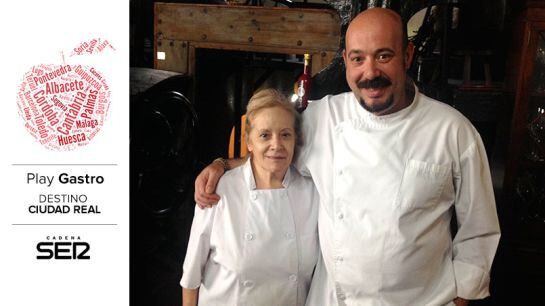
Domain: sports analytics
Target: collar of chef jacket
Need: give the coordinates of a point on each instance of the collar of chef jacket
(250, 179)
(367, 118)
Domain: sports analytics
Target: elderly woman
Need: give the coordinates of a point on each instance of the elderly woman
(258, 246)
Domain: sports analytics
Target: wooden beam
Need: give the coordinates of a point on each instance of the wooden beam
(250, 48)
(311, 29)
(243, 28)
(175, 54)
(321, 60)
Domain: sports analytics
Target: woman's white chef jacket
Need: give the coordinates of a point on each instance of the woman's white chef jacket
(256, 247)
(388, 186)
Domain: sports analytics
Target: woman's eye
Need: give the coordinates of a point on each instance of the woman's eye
(286, 135)
(263, 135)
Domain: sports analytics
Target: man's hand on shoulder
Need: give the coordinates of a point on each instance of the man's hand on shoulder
(205, 185)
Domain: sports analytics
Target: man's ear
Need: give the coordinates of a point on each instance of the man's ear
(409, 55)
(344, 57)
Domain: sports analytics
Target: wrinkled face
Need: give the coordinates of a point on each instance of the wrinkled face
(376, 63)
(272, 140)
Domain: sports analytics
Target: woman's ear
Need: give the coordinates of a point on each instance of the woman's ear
(249, 144)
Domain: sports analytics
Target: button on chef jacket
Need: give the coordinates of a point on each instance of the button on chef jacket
(388, 186)
(255, 247)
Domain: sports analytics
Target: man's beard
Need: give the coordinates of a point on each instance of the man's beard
(378, 82)
(378, 108)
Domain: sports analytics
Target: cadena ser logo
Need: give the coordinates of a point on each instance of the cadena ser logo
(61, 247)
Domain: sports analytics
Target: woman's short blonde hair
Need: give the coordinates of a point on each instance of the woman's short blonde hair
(269, 98)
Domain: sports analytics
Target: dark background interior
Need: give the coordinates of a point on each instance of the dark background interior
(180, 124)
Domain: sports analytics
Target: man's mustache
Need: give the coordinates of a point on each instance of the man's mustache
(377, 82)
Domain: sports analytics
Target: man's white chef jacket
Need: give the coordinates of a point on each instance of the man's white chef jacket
(256, 247)
(388, 185)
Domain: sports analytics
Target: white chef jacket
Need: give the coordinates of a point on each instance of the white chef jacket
(388, 186)
(255, 247)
